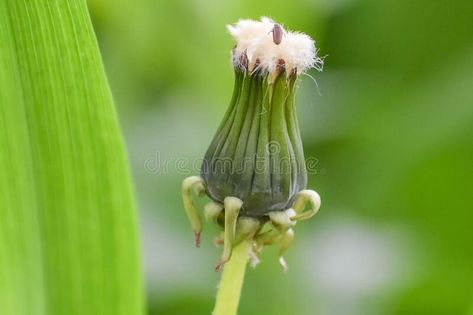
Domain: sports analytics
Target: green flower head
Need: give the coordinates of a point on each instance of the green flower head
(254, 169)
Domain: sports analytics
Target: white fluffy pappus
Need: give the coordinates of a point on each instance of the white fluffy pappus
(255, 39)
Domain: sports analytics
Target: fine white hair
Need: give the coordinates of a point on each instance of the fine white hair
(255, 40)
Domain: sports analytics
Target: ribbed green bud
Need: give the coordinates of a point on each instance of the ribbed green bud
(256, 154)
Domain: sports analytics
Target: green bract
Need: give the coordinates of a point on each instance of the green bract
(256, 154)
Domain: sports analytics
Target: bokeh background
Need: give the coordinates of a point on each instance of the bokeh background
(392, 131)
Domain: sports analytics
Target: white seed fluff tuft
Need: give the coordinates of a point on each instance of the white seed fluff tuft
(255, 39)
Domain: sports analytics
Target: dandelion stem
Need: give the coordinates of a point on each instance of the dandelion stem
(228, 295)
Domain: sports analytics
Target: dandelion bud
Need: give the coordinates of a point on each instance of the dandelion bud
(256, 153)
(254, 169)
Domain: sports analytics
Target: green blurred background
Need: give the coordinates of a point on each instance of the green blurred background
(392, 131)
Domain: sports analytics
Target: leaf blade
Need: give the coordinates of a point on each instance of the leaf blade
(78, 203)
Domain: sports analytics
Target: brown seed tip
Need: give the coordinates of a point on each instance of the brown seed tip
(281, 64)
(244, 61)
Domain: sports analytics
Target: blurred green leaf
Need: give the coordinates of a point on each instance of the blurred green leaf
(68, 236)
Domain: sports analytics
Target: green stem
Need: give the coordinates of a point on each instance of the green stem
(228, 295)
